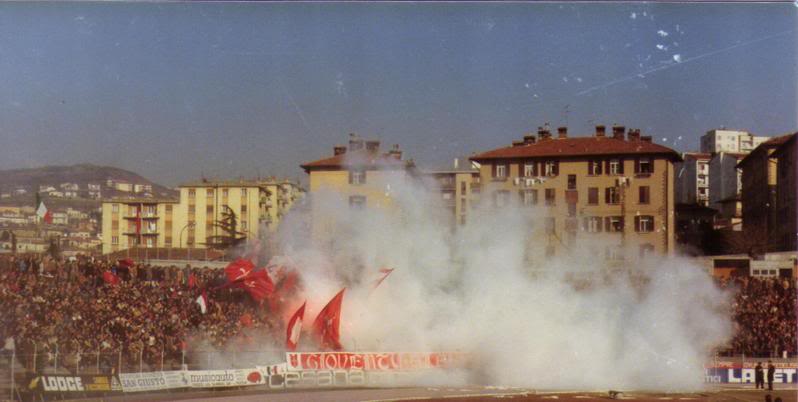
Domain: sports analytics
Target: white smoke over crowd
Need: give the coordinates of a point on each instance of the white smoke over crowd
(482, 290)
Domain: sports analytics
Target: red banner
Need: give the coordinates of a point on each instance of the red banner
(374, 361)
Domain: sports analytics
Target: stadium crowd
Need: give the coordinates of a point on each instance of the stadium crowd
(57, 307)
(764, 315)
(53, 307)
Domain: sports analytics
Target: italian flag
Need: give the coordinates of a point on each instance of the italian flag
(44, 214)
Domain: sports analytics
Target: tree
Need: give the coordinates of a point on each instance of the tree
(230, 236)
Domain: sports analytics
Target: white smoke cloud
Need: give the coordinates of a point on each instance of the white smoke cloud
(476, 290)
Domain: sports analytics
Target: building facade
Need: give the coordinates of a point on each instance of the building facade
(191, 221)
(459, 189)
(723, 140)
(784, 236)
(616, 187)
(358, 175)
(758, 193)
(692, 179)
(725, 186)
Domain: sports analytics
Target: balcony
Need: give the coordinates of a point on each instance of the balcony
(143, 216)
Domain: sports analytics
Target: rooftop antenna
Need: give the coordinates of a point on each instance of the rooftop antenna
(566, 112)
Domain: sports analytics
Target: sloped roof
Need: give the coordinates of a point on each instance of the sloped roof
(578, 146)
(360, 158)
(771, 143)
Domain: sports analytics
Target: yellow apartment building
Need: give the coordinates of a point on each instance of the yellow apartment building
(459, 189)
(618, 188)
(190, 220)
(357, 174)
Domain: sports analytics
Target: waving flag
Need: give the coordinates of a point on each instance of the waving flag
(192, 280)
(326, 327)
(239, 269)
(110, 278)
(126, 262)
(385, 272)
(258, 284)
(202, 300)
(294, 328)
(44, 214)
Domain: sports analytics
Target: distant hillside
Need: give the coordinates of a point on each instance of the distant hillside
(83, 174)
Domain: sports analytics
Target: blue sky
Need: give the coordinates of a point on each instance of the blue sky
(175, 90)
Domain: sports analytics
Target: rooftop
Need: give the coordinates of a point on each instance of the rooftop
(236, 183)
(359, 153)
(772, 143)
(141, 200)
(564, 146)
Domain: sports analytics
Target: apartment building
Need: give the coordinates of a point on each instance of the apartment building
(725, 186)
(138, 222)
(190, 221)
(758, 191)
(616, 188)
(692, 178)
(359, 175)
(459, 188)
(736, 141)
(784, 236)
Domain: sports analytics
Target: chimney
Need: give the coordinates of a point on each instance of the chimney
(395, 152)
(372, 146)
(634, 134)
(600, 131)
(339, 150)
(529, 139)
(618, 131)
(355, 142)
(562, 132)
(518, 143)
(544, 133)
(646, 138)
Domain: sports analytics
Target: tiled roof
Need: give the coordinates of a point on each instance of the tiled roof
(578, 146)
(356, 158)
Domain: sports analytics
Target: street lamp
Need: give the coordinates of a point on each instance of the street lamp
(180, 239)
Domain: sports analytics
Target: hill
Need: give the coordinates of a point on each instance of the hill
(31, 180)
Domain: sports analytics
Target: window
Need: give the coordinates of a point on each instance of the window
(501, 198)
(499, 171)
(243, 193)
(224, 193)
(550, 226)
(191, 209)
(612, 195)
(447, 195)
(644, 223)
(168, 209)
(644, 195)
(115, 208)
(209, 193)
(529, 169)
(614, 253)
(243, 225)
(644, 166)
(572, 182)
(357, 202)
(646, 250)
(571, 209)
(243, 209)
(592, 224)
(167, 242)
(550, 197)
(357, 177)
(594, 168)
(552, 168)
(616, 166)
(529, 198)
(192, 193)
(114, 239)
(613, 224)
(462, 187)
(592, 196)
(209, 209)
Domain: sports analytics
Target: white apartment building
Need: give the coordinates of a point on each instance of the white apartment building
(723, 140)
(692, 179)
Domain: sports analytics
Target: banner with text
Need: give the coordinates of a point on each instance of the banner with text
(403, 361)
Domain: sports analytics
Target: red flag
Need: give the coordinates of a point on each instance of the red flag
(110, 278)
(239, 269)
(126, 262)
(192, 280)
(294, 328)
(48, 217)
(258, 284)
(385, 272)
(326, 327)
